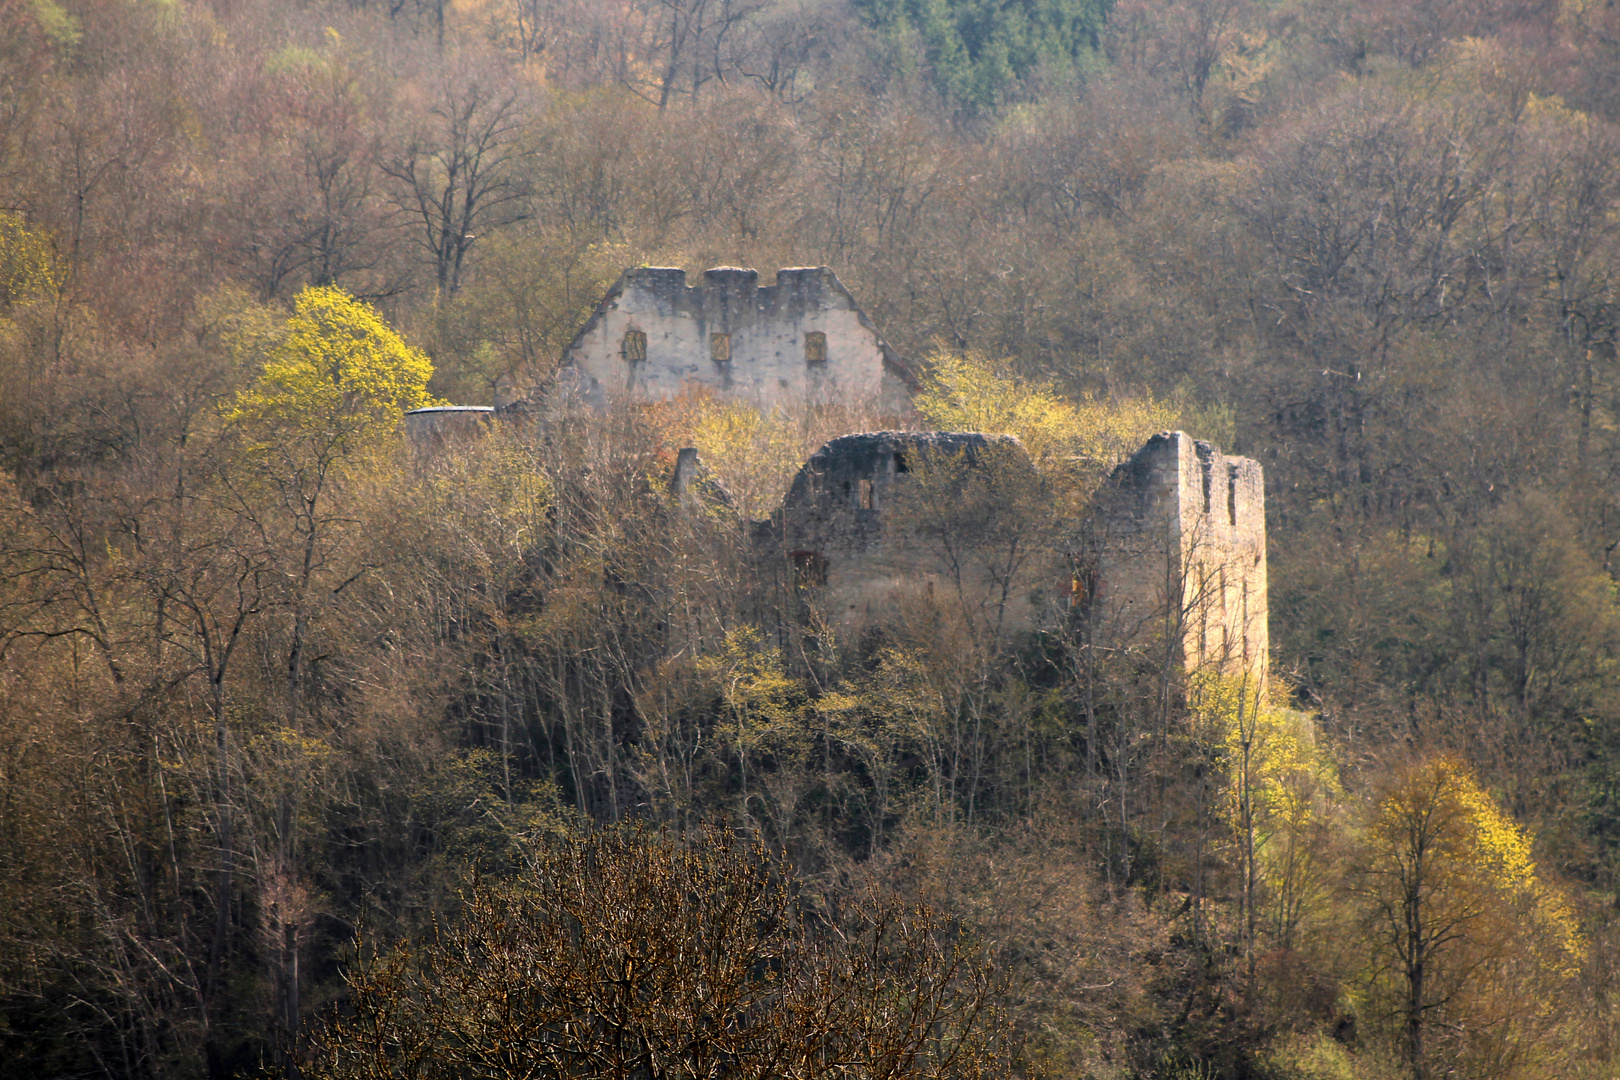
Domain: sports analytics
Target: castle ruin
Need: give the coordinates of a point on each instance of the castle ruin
(1171, 555)
(803, 339)
(1178, 544)
(875, 520)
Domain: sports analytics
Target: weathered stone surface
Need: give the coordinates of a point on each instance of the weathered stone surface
(1172, 556)
(884, 523)
(694, 484)
(1174, 553)
(855, 526)
(1179, 539)
(802, 339)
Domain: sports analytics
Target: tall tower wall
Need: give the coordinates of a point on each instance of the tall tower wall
(1180, 552)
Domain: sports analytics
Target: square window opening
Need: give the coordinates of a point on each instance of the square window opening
(815, 347)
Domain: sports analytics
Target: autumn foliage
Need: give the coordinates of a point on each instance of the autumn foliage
(267, 676)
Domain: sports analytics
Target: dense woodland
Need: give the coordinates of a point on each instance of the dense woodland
(278, 695)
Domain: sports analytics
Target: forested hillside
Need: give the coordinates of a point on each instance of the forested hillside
(269, 681)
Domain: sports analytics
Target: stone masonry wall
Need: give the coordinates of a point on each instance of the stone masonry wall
(859, 525)
(1173, 556)
(1180, 549)
(802, 339)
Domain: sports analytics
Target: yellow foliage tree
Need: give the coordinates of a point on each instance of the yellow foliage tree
(329, 399)
(753, 452)
(31, 282)
(28, 267)
(760, 706)
(1281, 788)
(339, 377)
(332, 392)
(1470, 953)
(971, 392)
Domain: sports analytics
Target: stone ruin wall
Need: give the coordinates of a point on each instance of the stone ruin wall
(1179, 545)
(843, 525)
(1174, 556)
(652, 335)
(1174, 553)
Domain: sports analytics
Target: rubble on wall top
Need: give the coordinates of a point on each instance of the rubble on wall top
(672, 277)
(866, 453)
(943, 440)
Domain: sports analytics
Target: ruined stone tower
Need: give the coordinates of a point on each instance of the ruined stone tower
(1179, 543)
(801, 339)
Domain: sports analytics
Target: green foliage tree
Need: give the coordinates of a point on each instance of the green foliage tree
(979, 50)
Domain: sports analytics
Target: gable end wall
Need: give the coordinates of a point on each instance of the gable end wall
(765, 327)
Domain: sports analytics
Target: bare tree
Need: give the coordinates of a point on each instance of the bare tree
(458, 176)
(629, 954)
(683, 45)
